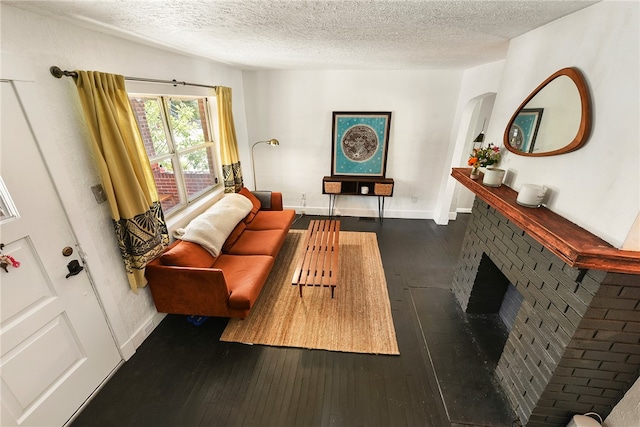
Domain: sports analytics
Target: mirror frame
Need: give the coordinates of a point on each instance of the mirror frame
(585, 121)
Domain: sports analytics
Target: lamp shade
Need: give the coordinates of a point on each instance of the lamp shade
(477, 142)
(480, 137)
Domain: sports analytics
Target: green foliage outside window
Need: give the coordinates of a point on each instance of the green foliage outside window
(186, 127)
(156, 126)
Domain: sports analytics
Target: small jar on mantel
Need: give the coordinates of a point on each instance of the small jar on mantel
(475, 171)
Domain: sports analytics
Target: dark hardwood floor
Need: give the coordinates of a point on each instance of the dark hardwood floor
(182, 375)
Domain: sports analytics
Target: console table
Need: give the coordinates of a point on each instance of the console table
(357, 186)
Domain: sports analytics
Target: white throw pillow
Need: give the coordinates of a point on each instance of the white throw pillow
(211, 228)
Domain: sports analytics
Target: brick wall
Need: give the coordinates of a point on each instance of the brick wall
(575, 343)
(138, 110)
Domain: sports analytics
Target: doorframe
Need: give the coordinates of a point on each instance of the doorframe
(22, 75)
(474, 113)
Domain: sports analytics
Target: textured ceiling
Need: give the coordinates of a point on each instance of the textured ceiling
(340, 34)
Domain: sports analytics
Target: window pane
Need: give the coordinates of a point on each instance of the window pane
(148, 111)
(176, 137)
(188, 123)
(166, 183)
(197, 167)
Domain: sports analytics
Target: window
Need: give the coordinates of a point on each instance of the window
(177, 139)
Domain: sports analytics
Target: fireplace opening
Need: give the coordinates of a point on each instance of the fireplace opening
(510, 305)
(493, 306)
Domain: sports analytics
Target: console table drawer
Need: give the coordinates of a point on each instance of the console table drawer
(332, 187)
(382, 189)
(354, 186)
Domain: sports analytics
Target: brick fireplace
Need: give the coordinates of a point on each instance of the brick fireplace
(574, 346)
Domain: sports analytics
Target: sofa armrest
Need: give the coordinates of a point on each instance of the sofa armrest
(189, 290)
(276, 201)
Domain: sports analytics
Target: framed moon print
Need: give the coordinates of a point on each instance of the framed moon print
(523, 132)
(360, 141)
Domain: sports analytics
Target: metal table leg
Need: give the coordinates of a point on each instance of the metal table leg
(332, 204)
(380, 208)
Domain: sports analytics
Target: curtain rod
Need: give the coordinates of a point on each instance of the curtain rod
(58, 73)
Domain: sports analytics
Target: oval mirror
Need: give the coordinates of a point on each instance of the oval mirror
(554, 119)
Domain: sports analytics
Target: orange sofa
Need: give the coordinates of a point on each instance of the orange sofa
(193, 279)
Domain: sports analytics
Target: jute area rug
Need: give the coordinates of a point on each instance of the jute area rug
(358, 319)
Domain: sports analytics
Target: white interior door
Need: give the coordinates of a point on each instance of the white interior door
(56, 347)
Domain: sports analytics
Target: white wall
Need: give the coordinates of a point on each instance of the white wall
(296, 108)
(597, 186)
(475, 103)
(42, 42)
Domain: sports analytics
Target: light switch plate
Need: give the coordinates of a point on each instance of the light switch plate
(98, 193)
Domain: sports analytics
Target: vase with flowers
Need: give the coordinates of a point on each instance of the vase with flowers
(483, 157)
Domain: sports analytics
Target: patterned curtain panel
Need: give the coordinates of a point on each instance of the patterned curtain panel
(230, 158)
(125, 171)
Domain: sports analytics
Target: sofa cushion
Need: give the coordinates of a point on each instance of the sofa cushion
(272, 220)
(187, 254)
(259, 242)
(245, 276)
(254, 201)
(212, 228)
(234, 236)
(264, 197)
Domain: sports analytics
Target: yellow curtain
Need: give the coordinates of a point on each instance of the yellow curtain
(125, 171)
(231, 169)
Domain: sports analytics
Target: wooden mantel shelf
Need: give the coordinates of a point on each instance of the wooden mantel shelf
(573, 244)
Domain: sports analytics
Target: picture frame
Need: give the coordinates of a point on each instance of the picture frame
(524, 130)
(360, 143)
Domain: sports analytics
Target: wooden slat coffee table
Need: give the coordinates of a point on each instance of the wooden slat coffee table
(318, 262)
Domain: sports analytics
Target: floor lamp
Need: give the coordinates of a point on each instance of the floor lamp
(271, 142)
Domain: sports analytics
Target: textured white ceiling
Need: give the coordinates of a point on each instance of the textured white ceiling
(340, 34)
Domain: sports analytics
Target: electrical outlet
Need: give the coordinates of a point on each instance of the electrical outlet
(414, 199)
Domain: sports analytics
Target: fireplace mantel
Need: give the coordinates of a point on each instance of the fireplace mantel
(574, 245)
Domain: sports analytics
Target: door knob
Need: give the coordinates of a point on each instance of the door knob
(74, 268)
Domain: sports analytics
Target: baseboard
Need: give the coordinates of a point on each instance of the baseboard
(388, 213)
(131, 345)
